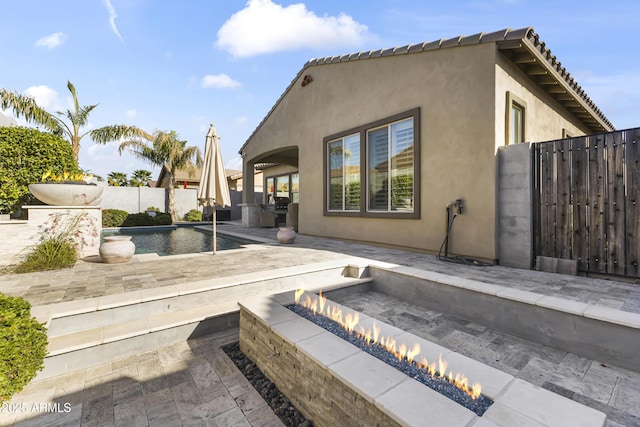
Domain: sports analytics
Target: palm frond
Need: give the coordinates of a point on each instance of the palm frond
(26, 107)
(107, 134)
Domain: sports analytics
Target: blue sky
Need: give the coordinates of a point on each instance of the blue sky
(182, 64)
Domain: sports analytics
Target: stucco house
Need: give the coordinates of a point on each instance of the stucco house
(380, 143)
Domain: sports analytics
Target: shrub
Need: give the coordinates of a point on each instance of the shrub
(153, 208)
(23, 345)
(25, 155)
(193, 215)
(138, 220)
(120, 218)
(62, 238)
(163, 219)
(51, 254)
(113, 217)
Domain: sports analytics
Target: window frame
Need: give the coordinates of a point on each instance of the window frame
(265, 194)
(364, 173)
(513, 100)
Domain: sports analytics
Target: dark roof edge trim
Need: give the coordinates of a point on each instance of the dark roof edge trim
(525, 34)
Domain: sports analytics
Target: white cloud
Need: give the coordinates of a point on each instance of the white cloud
(235, 163)
(264, 26)
(53, 40)
(112, 18)
(131, 114)
(45, 97)
(222, 81)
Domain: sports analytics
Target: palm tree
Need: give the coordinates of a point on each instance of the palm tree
(140, 178)
(117, 179)
(25, 106)
(164, 149)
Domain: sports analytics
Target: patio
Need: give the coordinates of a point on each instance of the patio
(193, 383)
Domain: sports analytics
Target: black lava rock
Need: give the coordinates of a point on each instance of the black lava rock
(277, 401)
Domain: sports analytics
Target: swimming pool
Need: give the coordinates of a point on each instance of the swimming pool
(176, 241)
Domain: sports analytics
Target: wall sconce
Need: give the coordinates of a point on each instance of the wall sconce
(306, 80)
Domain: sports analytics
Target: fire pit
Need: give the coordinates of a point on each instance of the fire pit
(333, 382)
(400, 355)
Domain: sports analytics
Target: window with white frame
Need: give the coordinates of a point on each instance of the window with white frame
(372, 170)
(390, 167)
(344, 173)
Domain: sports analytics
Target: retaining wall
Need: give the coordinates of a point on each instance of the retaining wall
(16, 237)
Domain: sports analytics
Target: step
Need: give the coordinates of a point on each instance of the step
(91, 332)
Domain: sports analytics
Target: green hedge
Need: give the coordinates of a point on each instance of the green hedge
(113, 217)
(23, 345)
(25, 155)
(120, 218)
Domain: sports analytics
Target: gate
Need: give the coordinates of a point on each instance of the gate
(586, 203)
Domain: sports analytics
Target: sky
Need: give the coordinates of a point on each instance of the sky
(184, 64)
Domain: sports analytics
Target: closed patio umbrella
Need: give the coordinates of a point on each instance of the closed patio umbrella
(213, 189)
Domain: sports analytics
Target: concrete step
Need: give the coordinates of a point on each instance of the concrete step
(95, 331)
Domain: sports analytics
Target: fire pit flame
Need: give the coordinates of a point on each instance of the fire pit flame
(319, 305)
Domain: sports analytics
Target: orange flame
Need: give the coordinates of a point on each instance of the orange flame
(318, 305)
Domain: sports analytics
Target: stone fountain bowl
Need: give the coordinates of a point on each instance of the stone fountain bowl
(67, 194)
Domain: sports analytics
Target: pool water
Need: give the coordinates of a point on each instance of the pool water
(176, 241)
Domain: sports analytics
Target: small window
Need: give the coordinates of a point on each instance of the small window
(515, 120)
(517, 123)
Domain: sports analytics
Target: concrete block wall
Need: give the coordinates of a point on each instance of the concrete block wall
(515, 222)
(138, 199)
(16, 237)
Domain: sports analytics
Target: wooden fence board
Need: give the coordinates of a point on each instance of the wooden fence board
(632, 237)
(547, 202)
(564, 217)
(579, 180)
(614, 203)
(596, 198)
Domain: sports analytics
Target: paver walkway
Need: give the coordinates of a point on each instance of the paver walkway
(92, 279)
(176, 385)
(188, 384)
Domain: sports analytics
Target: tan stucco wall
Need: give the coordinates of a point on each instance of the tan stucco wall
(453, 88)
(462, 123)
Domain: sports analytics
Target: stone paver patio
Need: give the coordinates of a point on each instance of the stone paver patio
(195, 384)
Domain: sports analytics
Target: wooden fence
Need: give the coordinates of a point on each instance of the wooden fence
(586, 203)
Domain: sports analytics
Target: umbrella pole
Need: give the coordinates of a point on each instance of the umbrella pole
(215, 243)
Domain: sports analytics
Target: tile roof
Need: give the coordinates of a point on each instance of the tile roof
(520, 40)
